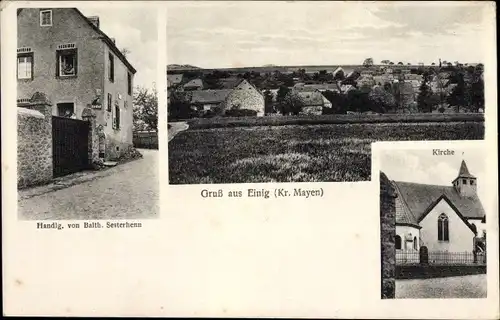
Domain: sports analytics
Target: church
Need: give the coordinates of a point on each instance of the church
(442, 218)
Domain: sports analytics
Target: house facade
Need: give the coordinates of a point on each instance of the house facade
(66, 56)
(442, 218)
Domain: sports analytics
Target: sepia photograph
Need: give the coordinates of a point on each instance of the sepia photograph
(433, 224)
(87, 113)
(300, 96)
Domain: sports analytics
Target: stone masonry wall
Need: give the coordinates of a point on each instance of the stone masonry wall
(387, 234)
(245, 96)
(34, 147)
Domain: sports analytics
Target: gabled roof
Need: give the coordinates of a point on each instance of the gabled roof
(103, 37)
(310, 99)
(175, 78)
(419, 197)
(464, 171)
(194, 83)
(230, 83)
(209, 96)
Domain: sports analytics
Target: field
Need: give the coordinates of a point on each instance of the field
(295, 153)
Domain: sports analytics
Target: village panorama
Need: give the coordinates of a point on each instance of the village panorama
(312, 123)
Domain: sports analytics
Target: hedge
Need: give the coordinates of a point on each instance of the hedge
(221, 122)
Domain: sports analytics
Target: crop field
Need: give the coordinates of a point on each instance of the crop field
(295, 153)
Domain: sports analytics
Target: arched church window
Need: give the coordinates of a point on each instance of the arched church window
(443, 232)
(415, 247)
(398, 242)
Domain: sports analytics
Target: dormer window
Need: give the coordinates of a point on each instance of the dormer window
(45, 18)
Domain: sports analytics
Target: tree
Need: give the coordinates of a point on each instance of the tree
(400, 63)
(368, 62)
(125, 52)
(280, 97)
(337, 100)
(145, 109)
(268, 102)
(424, 99)
(385, 61)
(382, 100)
(457, 97)
(339, 76)
(391, 63)
(358, 101)
(292, 103)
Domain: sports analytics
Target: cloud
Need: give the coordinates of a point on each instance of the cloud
(300, 33)
(134, 32)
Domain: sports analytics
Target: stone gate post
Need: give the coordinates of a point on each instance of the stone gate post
(387, 236)
(34, 141)
(93, 140)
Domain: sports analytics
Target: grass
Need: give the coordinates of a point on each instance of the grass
(295, 153)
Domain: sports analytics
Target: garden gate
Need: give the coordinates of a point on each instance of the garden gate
(70, 144)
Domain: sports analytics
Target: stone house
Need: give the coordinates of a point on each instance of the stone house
(65, 55)
(443, 218)
(237, 94)
(314, 102)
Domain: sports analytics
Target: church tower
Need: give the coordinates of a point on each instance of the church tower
(465, 183)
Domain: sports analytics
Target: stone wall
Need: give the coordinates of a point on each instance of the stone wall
(34, 142)
(245, 96)
(387, 234)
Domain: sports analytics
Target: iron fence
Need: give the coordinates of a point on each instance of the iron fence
(441, 258)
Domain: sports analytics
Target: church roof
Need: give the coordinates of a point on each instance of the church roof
(421, 198)
(464, 171)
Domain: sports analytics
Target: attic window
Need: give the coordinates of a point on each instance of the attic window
(46, 18)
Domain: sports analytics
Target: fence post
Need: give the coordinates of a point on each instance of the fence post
(424, 255)
(387, 236)
(93, 139)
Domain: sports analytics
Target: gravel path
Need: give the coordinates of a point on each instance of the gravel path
(129, 191)
(176, 127)
(471, 286)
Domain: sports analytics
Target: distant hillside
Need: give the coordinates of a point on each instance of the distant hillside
(172, 67)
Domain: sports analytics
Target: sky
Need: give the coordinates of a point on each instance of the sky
(421, 166)
(133, 31)
(235, 34)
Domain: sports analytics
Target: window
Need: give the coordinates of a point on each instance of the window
(67, 63)
(443, 232)
(464, 181)
(110, 102)
(111, 67)
(25, 66)
(116, 116)
(398, 242)
(415, 246)
(472, 182)
(45, 18)
(129, 84)
(66, 110)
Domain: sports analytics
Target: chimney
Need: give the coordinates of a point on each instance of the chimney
(94, 20)
(114, 40)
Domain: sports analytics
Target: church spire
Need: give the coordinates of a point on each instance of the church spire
(464, 171)
(465, 182)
